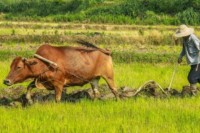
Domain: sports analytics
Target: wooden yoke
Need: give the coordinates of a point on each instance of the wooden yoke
(53, 64)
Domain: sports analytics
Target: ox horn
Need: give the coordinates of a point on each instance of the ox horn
(24, 59)
(46, 60)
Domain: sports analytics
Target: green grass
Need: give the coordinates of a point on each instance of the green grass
(134, 64)
(134, 74)
(133, 115)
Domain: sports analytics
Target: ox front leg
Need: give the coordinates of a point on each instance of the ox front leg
(28, 93)
(58, 93)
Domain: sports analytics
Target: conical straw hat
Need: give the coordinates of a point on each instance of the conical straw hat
(183, 31)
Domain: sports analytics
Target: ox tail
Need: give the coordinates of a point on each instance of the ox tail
(87, 44)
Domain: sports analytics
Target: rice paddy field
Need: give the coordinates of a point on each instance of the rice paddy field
(140, 53)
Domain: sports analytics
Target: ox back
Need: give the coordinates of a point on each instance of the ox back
(79, 64)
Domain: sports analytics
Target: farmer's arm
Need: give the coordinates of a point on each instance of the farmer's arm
(181, 54)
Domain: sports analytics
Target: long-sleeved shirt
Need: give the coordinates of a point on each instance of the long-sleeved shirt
(191, 48)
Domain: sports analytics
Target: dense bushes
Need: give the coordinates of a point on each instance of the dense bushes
(41, 7)
(104, 11)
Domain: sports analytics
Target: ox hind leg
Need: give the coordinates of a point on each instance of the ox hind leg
(111, 84)
(28, 93)
(94, 85)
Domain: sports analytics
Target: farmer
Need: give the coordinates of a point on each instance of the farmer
(191, 48)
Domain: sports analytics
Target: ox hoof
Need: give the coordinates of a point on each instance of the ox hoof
(117, 99)
(96, 94)
(30, 102)
(94, 98)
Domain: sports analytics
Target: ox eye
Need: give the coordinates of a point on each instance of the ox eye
(19, 67)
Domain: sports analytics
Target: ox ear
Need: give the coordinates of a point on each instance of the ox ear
(29, 62)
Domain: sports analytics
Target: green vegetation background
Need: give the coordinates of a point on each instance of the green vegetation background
(168, 12)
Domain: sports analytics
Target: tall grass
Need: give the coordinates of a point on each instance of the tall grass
(140, 115)
(136, 74)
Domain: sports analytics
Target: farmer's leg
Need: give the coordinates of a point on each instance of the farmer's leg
(193, 77)
(193, 88)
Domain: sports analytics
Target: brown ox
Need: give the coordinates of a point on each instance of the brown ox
(76, 66)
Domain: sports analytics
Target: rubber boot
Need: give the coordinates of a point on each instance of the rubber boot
(193, 88)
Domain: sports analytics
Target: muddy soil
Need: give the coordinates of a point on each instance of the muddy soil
(15, 96)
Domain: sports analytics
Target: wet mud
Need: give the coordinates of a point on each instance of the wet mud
(15, 96)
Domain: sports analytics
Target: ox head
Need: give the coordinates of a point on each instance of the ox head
(20, 70)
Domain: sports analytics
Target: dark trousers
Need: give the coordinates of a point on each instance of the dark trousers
(194, 74)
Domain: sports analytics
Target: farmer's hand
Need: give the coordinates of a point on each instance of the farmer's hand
(179, 60)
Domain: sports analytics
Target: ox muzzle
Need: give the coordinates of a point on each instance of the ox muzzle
(7, 82)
